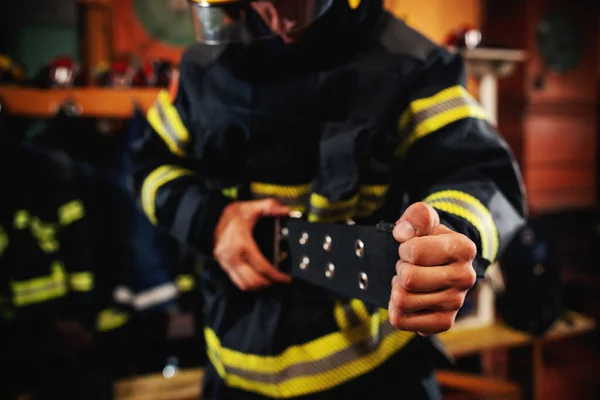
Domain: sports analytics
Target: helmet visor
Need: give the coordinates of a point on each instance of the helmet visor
(222, 21)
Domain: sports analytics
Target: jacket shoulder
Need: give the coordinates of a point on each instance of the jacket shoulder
(201, 55)
(399, 39)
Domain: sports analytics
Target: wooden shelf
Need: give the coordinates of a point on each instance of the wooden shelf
(91, 102)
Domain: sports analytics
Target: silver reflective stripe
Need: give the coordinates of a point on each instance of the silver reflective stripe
(437, 109)
(167, 125)
(345, 356)
(485, 224)
(157, 295)
(146, 299)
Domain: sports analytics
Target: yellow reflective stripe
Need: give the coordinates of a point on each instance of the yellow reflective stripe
(360, 309)
(374, 190)
(425, 116)
(165, 120)
(185, 283)
(230, 193)
(155, 180)
(469, 208)
(110, 319)
(41, 289)
(45, 233)
(21, 219)
(273, 190)
(71, 212)
(339, 314)
(322, 210)
(372, 197)
(4, 240)
(312, 367)
(293, 196)
(82, 281)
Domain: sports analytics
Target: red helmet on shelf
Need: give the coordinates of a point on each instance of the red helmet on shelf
(121, 72)
(163, 73)
(464, 37)
(61, 72)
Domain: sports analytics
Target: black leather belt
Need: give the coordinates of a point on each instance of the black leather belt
(356, 261)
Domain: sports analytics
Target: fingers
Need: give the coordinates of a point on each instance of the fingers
(246, 278)
(258, 261)
(418, 220)
(438, 249)
(269, 208)
(418, 279)
(407, 302)
(425, 323)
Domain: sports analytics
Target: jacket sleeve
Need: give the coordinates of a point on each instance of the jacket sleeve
(453, 158)
(167, 179)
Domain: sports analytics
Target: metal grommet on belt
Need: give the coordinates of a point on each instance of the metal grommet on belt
(359, 248)
(304, 263)
(304, 238)
(327, 243)
(363, 281)
(330, 271)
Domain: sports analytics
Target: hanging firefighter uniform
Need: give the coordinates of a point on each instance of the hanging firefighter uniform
(357, 121)
(42, 212)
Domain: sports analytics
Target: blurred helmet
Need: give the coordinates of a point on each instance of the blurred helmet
(226, 21)
(464, 37)
(10, 71)
(61, 72)
(124, 71)
(163, 71)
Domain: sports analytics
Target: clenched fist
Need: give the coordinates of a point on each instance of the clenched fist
(433, 275)
(237, 251)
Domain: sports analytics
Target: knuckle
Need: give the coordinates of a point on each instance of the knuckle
(445, 322)
(406, 276)
(396, 298)
(455, 303)
(472, 277)
(470, 248)
(394, 318)
(469, 276)
(270, 203)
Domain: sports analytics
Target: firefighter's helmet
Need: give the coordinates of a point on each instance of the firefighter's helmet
(464, 37)
(226, 21)
(61, 72)
(123, 71)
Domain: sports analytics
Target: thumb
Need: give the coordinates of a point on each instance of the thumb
(418, 220)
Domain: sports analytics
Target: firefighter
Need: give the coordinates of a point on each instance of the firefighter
(339, 111)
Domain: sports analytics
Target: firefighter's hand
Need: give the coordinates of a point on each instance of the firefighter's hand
(236, 250)
(433, 275)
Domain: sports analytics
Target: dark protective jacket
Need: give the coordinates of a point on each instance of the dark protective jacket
(359, 129)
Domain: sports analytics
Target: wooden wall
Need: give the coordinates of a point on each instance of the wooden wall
(435, 18)
(552, 130)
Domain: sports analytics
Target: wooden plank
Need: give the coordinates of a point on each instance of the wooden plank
(185, 385)
(556, 138)
(92, 102)
(483, 387)
(463, 342)
(555, 200)
(562, 176)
